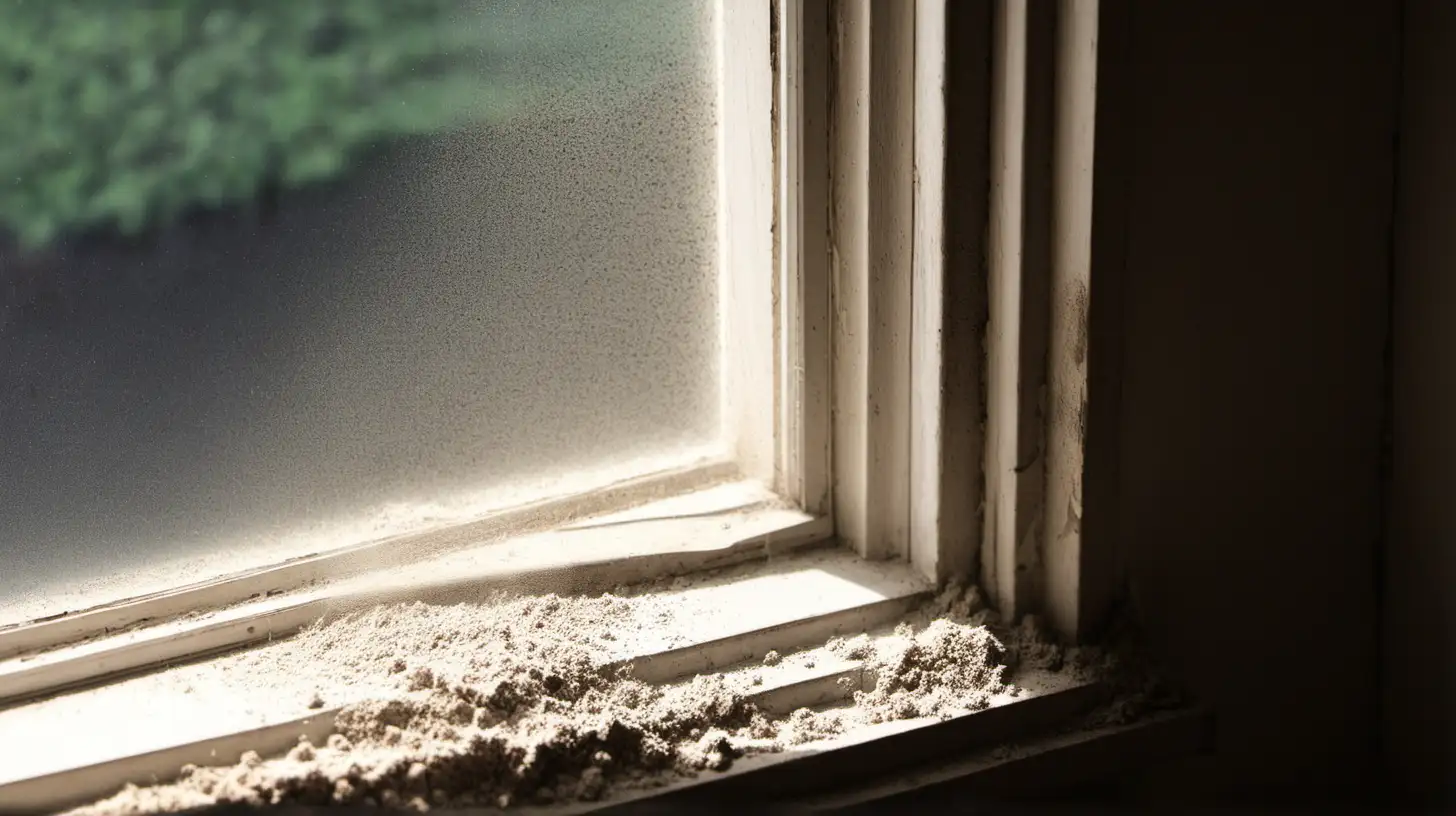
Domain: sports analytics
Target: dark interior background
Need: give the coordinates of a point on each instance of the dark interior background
(1286, 456)
(1255, 330)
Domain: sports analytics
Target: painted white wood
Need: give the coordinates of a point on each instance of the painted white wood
(849, 259)
(927, 367)
(802, 232)
(1003, 330)
(385, 554)
(714, 528)
(745, 234)
(872, 166)
(891, 224)
(1040, 260)
(1071, 288)
(824, 604)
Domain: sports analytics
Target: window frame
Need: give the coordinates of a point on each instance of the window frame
(859, 268)
(747, 219)
(1052, 397)
(751, 333)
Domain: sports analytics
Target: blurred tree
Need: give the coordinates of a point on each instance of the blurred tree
(126, 114)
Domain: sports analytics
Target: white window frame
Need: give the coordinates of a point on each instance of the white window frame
(840, 278)
(746, 219)
(760, 372)
(1042, 318)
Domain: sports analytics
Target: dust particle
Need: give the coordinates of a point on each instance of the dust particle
(516, 701)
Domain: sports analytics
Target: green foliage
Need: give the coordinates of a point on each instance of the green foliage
(121, 114)
(124, 114)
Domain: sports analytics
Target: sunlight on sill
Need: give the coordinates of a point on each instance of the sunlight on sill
(220, 695)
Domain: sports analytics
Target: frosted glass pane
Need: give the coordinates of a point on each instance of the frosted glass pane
(474, 252)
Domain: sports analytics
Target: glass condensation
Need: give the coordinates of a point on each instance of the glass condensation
(276, 278)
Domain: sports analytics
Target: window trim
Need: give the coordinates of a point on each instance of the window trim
(749, 336)
(801, 148)
(1047, 170)
(929, 531)
(72, 627)
(870, 504)
(871, 168)
(859, 311)
(680, 534)
(817, 616)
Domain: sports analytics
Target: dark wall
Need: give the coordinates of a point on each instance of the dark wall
(1254, 328)
(1420, 612)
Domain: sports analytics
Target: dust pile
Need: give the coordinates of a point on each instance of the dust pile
(523, 700)
(1136, 684)
(946, 669)
(343, 659)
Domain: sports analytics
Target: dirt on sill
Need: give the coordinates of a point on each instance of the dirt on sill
(506, 702)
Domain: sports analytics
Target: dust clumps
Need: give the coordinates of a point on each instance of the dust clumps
(516, 702)
(1033, 646)
(1138, 687)
(949, 667)
(527, 701)
(946, 669)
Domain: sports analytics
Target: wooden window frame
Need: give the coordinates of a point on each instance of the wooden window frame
(918, 200)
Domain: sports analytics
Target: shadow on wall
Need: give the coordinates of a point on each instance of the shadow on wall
(1419, 626)
(1255, 326)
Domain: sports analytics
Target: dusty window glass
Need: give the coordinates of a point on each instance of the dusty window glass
(280, 277)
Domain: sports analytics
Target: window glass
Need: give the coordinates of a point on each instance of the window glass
(282, 277)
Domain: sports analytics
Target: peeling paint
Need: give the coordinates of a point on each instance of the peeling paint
(1072, 524)
(1079, 321)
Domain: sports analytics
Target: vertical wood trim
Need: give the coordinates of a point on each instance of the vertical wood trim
(891, 193)
(803, 236)
(1102, 569)
(967, 169)
(872, 155)
(1070, 294)
(927, 370)
(1017, 324)
(1057, 214)
(745, 235)
(1008, 101)
(952, 108)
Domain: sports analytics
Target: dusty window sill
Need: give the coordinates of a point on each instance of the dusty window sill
(70, 747)
(714, 527)
(1033, 748)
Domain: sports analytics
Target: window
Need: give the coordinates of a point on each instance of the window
(745, 246)
(381, 269)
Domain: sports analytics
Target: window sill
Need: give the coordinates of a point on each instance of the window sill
(137, 727)
(1033, 748)
(705, 529)
(70, 747)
